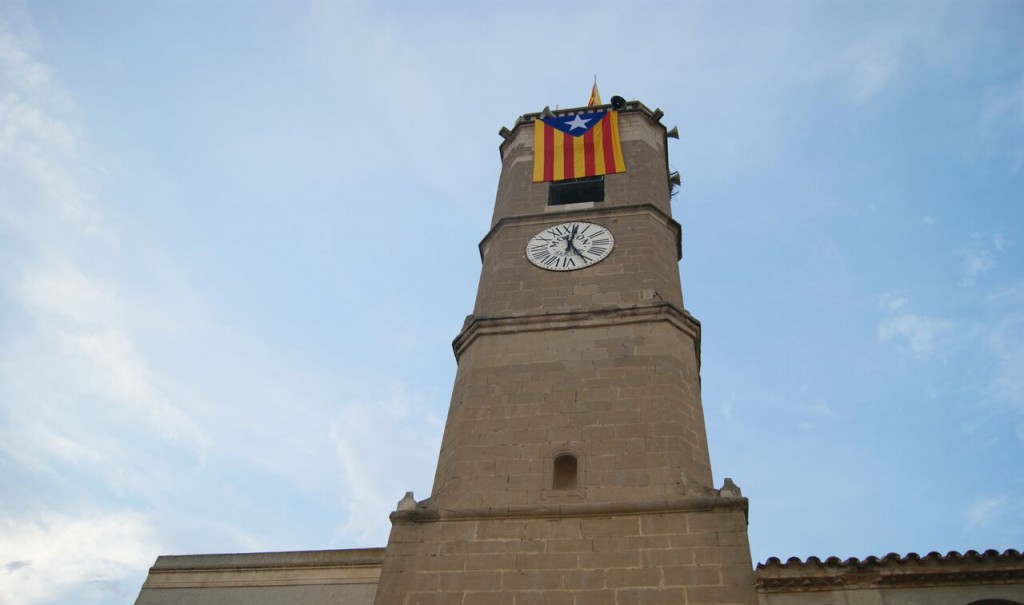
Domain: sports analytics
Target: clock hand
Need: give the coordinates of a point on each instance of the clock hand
(569, 245)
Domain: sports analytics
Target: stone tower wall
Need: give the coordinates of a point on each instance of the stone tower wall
(619, 391)
(642, 269)
(597, 369)
(675, 558)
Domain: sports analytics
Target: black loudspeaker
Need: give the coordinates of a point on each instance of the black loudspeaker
(618, 102)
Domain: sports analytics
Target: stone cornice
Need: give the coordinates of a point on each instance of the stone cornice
(514, 324)
(301, 558)
(545, 218)
(301, 568)
(425, 514)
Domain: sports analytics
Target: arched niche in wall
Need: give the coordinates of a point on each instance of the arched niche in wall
(565, 472)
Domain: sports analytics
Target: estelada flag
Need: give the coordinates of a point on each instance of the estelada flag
(575, 146)
(595, 96)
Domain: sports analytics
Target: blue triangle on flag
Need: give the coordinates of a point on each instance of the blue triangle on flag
(577, 124)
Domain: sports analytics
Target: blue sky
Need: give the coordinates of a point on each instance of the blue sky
(237, 238)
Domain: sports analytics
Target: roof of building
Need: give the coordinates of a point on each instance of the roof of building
(894, 558)
(912, 569)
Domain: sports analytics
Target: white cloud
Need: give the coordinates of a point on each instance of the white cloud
(72, 373)
(978, 256)
(919, 333)
(871, 65)
(897, 43)
(372, 441)
(43, 165)
(1002, 121)
(87, 410)
(821, 409)
(48, 556)
(68, 296)
(727, 408)
(983, 511)
(1006, 342)
(891, 302)
(975, 261)
(84, 320)
(1013, 294)
(67, 449)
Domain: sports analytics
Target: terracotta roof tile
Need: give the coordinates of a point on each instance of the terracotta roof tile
(894, 558)
(892, 570)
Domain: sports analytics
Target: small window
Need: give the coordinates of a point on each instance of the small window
(564, 476)
(589, 189)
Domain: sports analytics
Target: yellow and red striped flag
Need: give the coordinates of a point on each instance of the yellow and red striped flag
(577, 145)
(595, 96)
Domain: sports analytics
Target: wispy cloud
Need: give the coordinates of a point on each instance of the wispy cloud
(77, 393)
(1006, 342)
(920, 333)
(871, 64)
(978, 256)
(983, 511)
(45, 557)
(1002, 123)
(43, 163)
(369, 470)
(83, 318)
(821, 409)
(891, 302)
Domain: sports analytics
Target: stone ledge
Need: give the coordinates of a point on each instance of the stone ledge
(514, 324)
(299, 558)
(574, 509)
(298, 568)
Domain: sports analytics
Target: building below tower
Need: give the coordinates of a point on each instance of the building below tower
(349, 577)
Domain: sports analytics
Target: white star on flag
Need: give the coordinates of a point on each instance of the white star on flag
(577, 122)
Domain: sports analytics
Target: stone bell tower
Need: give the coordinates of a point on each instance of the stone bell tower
(574, 465)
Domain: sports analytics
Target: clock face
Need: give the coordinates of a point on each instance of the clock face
(570, 246)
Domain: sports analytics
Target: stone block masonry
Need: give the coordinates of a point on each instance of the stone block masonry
(694, 551)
